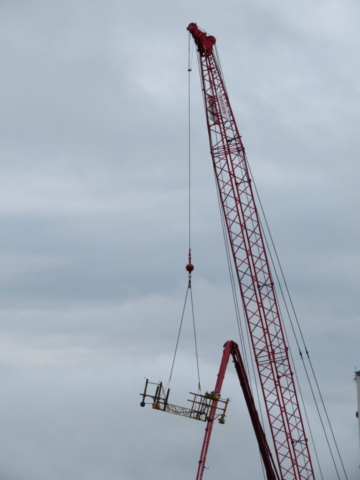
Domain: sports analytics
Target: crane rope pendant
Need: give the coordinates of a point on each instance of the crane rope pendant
(252, 268)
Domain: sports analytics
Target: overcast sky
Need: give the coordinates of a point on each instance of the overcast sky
(93, 212)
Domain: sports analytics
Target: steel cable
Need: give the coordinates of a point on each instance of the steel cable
(301, 334)
(189, 287)
(178, 336)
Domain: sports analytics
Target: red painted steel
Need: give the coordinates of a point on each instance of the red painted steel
(253, 270)
(231, 348)
(210, 423)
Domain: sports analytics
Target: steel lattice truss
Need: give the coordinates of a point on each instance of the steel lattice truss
(254, 276)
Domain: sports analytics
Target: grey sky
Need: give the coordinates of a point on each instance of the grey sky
(93, 212)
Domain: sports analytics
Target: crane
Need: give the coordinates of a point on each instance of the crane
(231, 348)
(211, 406)
(252, 267)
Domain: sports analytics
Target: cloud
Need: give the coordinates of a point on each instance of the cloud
(93, 210)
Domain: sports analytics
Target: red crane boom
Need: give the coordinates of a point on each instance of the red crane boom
(253, 269)
(231, 348)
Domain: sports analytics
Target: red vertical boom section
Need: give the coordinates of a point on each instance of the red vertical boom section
(210, 423)
(231, 348)
(253, 270)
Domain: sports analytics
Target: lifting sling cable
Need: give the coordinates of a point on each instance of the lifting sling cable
(188, 288)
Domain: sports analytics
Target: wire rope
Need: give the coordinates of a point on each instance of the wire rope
(238, 321)
(227, 241)
(296, 339)
(189, 286)
(195, 339)
(218, 60)
(235, 297)
(289, 316)
(291, 356)
(179, 333)
(292, 359)
(286, 336)
(189, 137)
(301, 395)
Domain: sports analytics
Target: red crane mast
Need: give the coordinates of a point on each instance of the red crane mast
(252, 268)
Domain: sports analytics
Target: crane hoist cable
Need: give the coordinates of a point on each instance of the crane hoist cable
(189, 267)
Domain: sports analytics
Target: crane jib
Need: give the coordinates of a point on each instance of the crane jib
(253, 269)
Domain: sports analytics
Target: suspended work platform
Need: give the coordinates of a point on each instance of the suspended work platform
(205, 407)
